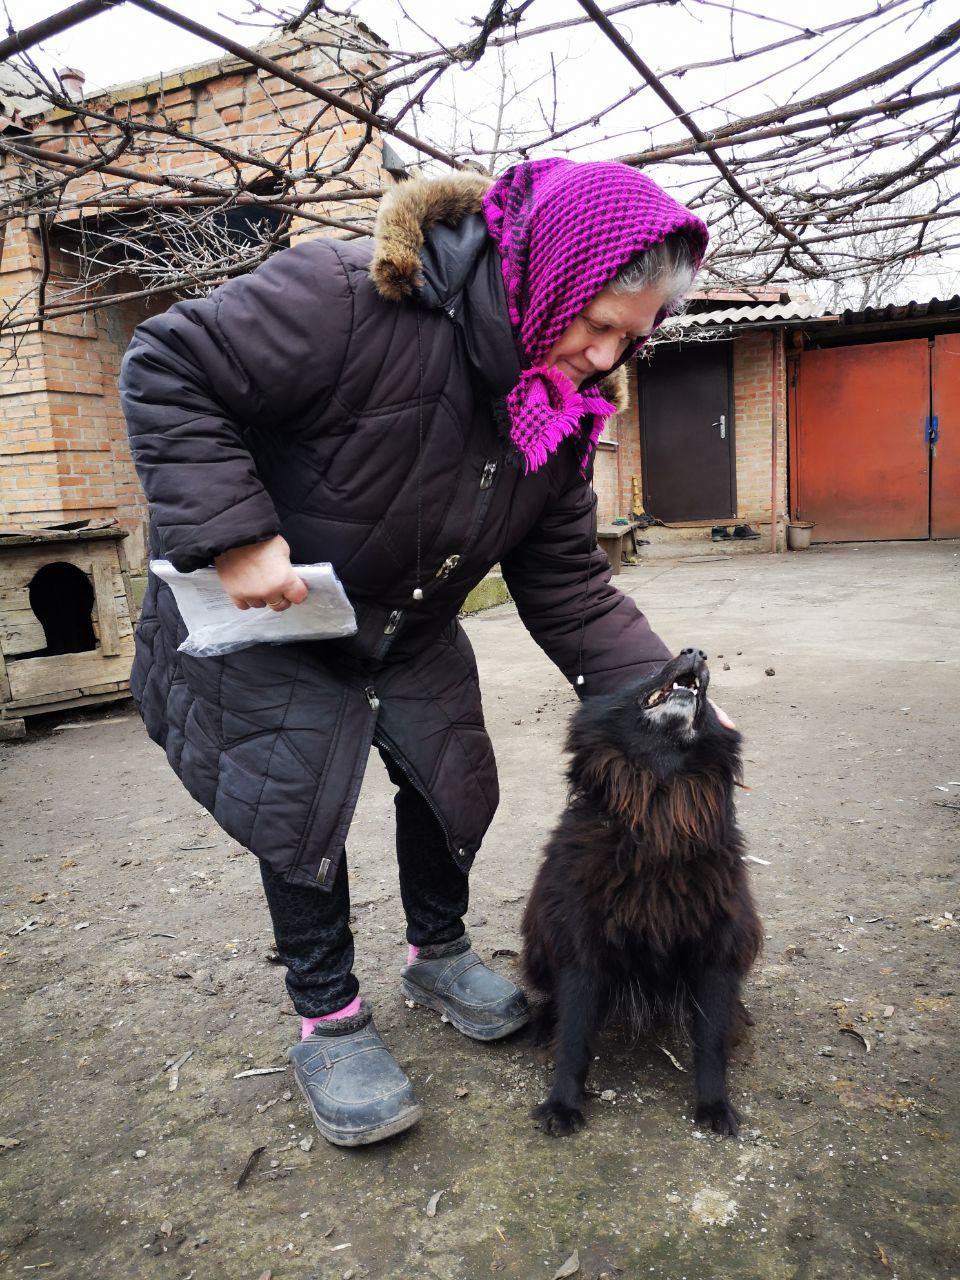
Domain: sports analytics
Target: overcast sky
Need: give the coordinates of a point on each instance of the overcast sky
(126, 44)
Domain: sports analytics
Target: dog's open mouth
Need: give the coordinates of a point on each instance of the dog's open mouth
(684, 686)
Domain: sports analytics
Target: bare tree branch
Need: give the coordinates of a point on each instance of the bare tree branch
(850, 188)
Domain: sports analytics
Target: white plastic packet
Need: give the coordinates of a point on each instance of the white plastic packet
(216, 626)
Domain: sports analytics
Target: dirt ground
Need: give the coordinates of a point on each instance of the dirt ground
(132, 933)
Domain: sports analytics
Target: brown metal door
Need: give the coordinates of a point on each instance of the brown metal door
(862, 457)
(686, 434)
(945, 477)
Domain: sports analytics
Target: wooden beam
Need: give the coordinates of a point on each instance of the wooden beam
(57, 23)
(20, 629)
(4, 682)
(66, 673)
(127, 588)
(106, 608)
(95, 698)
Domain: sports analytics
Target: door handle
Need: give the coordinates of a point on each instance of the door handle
(722, 424)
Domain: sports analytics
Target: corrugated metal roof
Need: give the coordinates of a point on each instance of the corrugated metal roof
(904, 311)
(795, 309)
(15, 93)
(802, 308)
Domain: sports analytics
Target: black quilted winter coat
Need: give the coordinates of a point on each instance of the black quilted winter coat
(317, 398)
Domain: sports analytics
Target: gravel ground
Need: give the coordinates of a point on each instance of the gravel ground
(133, 935)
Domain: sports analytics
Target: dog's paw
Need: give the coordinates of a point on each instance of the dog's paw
(557, 1119)
(720, 1116)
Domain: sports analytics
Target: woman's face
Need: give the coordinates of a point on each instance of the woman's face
(596, 339)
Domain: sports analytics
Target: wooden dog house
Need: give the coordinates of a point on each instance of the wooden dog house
(66, 620)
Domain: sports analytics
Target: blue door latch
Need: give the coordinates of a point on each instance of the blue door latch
(931, 430)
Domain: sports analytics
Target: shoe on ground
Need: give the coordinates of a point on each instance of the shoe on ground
(719, 533)
(744, 531)
(356, 1090)
(453, 980)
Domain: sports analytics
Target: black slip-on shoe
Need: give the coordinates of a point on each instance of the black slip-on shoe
(453, 980)
(719, 533)
(744, 531)
(356, 1090)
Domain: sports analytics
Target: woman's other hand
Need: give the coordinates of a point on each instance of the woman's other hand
(260, 576)
(722, 715)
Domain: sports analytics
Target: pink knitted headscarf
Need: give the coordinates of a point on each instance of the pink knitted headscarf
(564, 229)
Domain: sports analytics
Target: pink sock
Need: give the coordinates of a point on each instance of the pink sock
(308, 1025)
(412, 953)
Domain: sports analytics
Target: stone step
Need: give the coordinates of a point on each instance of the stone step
(695, 540)
(674, 548)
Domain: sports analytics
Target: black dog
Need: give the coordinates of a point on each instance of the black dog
(642, 898)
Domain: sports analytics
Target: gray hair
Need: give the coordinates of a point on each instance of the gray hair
(668, 266)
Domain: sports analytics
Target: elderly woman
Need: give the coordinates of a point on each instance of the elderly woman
(413, 412)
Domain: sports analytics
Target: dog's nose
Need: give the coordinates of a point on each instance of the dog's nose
(699, 653)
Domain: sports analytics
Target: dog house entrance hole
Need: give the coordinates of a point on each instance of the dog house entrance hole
(61, 596)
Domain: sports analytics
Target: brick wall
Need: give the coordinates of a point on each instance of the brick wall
(29, 482)
(605, 479)
(618, 458)
(63, 446)
(238, 107)
(759, 385)
(759, 391)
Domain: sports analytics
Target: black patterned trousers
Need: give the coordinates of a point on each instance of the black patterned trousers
(312, 926)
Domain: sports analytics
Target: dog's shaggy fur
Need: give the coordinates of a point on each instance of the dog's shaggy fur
(642, 900)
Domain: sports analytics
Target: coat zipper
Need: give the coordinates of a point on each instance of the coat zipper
(448, 567)
(491, 469)
(326, 865)
(488, 476)
(487, 480)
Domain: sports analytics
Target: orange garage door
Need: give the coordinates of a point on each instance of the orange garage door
(861, 451)
(945, 463)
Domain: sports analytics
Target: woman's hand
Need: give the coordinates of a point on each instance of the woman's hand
(260, 575)
(722, 715)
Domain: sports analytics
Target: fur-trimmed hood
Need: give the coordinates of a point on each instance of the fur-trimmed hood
(408, 212)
